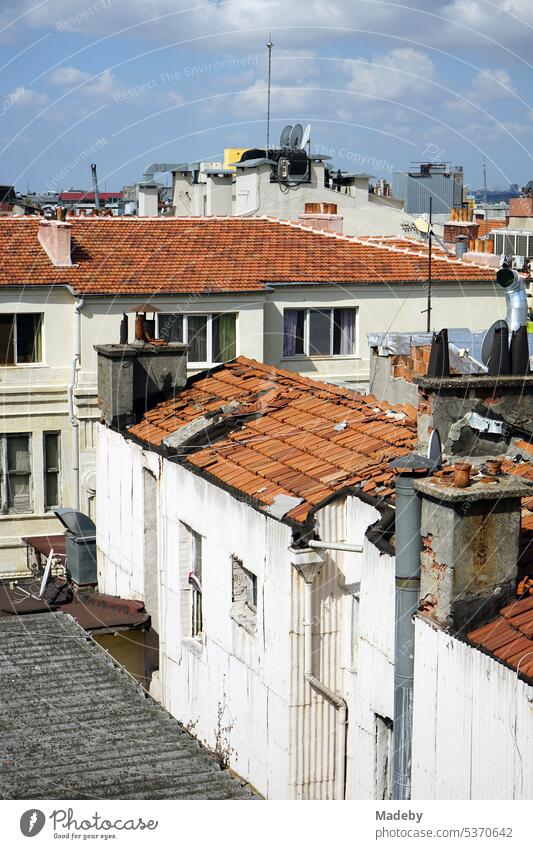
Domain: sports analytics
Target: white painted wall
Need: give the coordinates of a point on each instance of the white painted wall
(473, 723)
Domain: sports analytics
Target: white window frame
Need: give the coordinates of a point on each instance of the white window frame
(208, 363)
(307, 332)
(16, 364)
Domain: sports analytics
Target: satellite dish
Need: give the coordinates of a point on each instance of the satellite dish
(284, 139)
(46, 575)
(435, 450)
(422, 225)
(296, 136)
(486, 347)
(306, 136)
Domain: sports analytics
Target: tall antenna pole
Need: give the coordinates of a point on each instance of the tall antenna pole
(270, 45)
(430, 234)
(485, 185)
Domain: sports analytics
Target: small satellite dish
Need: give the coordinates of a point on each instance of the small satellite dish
(46, 575)
(306, 136)
(435, 449)
(296, 136)
(486, 347)
(285, 135)
(422, 225)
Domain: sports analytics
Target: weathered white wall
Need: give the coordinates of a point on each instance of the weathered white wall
(246, 675)
(473, 723)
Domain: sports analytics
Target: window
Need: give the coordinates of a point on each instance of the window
(15, 467)
(195, 580)
(382, 749)
(20, 338)
(211, 338)
(319, 332)
(243, 595)
(51, 451)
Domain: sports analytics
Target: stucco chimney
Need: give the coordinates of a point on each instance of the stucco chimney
(134, 378)
(55, 238)
(322, 216)
(470, 536)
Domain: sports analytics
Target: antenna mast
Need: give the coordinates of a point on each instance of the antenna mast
(485, 185)
(270, 45)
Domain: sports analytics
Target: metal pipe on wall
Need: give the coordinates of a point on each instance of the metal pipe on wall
(76, 358)
(407, 562)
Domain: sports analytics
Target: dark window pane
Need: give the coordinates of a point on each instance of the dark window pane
(344, 331)
(28, 338)
(51, 469)
(7, 354)
(293, 332)
(197, 338)
(18, 474)
(224, 347)
(171, 327)
(319, 332)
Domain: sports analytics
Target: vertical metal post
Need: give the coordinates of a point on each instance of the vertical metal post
(408, 548)
(270, 45)
(430, 235)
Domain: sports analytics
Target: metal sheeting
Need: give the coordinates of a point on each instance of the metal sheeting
(473, 723)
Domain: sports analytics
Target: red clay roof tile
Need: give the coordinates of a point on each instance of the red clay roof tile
(206, 255)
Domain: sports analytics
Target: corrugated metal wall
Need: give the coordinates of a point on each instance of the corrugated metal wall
(473, 723)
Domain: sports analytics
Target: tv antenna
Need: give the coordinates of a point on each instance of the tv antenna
(270, 45)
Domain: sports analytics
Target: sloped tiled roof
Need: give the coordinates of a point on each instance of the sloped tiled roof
(75, 725)
(128, 255)
(509, 637)
(304, 438)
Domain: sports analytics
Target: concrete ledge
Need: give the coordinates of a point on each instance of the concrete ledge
(506, 486)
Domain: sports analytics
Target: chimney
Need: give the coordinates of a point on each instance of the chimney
(470, 541)
(55, 238)
(148, 199)
(133, 378)
(322, 216)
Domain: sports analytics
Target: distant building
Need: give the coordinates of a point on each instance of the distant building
(437, 180)
(79, 200)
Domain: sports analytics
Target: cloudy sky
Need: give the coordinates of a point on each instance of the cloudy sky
(383, 83)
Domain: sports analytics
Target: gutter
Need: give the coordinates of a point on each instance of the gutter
(76, 361)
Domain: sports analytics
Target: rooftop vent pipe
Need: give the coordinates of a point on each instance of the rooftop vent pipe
(515, 296)
(95, 188)
(407, 593)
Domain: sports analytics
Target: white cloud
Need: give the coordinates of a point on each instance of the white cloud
(23, 96)
(491, 84)
(99, 85)
(404, 72)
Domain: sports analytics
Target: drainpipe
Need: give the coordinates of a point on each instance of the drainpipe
(308, 564)
(76, 359)
(407, 592)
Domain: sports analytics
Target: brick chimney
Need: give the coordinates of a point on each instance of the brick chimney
(322, 216)
(469, 561)
(55, 238)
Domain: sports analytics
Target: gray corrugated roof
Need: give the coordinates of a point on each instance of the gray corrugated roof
(74, 725)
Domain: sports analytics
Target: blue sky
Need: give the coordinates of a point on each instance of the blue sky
(128, 82)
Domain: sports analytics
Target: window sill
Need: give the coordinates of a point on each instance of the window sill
(304, 358)
(24, 365)
(244, 617)
(193, 645)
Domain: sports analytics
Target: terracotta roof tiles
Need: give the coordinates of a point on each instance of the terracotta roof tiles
(130, 255)
(286, 441)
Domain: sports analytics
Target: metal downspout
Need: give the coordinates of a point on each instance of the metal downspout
(408, 548)
(76, 359)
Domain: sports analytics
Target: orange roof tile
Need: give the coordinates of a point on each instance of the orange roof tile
(129, 255)
(298, 437)
(509, 637)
